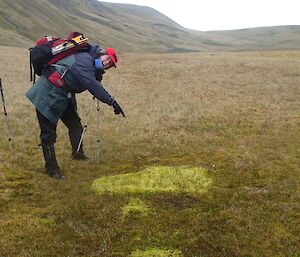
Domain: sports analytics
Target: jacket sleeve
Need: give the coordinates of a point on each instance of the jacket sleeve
(85, 72)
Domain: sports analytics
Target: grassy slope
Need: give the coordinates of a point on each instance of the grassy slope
(125, 26)
(234, 114)
(128, 28)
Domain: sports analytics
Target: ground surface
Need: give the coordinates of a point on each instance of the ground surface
(228, 124)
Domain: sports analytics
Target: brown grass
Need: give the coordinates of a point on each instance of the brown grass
(235, 114)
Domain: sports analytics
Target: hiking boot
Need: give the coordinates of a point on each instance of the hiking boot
(54, 172)
(51, 166)
(80, 156)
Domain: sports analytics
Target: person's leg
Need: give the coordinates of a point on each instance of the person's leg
(72, 121)
(48, 139)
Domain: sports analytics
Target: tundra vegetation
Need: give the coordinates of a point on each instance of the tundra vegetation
(207, 162)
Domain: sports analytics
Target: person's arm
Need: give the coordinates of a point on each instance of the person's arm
(85, 72)
(100, 93)
(97, 90)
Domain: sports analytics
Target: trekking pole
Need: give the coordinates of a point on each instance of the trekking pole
(98, 129)
(5, 115)
(85, 125)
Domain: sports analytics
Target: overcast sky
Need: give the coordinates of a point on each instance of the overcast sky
(225, 14)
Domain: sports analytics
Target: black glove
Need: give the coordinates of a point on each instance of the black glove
(117, 108)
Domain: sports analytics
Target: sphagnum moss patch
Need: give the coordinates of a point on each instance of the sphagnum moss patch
(156, 179)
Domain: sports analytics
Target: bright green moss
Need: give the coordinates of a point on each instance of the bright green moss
(155, 252)
(156, 179)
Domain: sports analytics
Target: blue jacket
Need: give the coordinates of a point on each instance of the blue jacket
(80, 75)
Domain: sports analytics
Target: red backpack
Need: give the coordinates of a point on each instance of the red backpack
(49, 50)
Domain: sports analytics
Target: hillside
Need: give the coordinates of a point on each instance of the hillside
(277, 37)
(127, 27)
